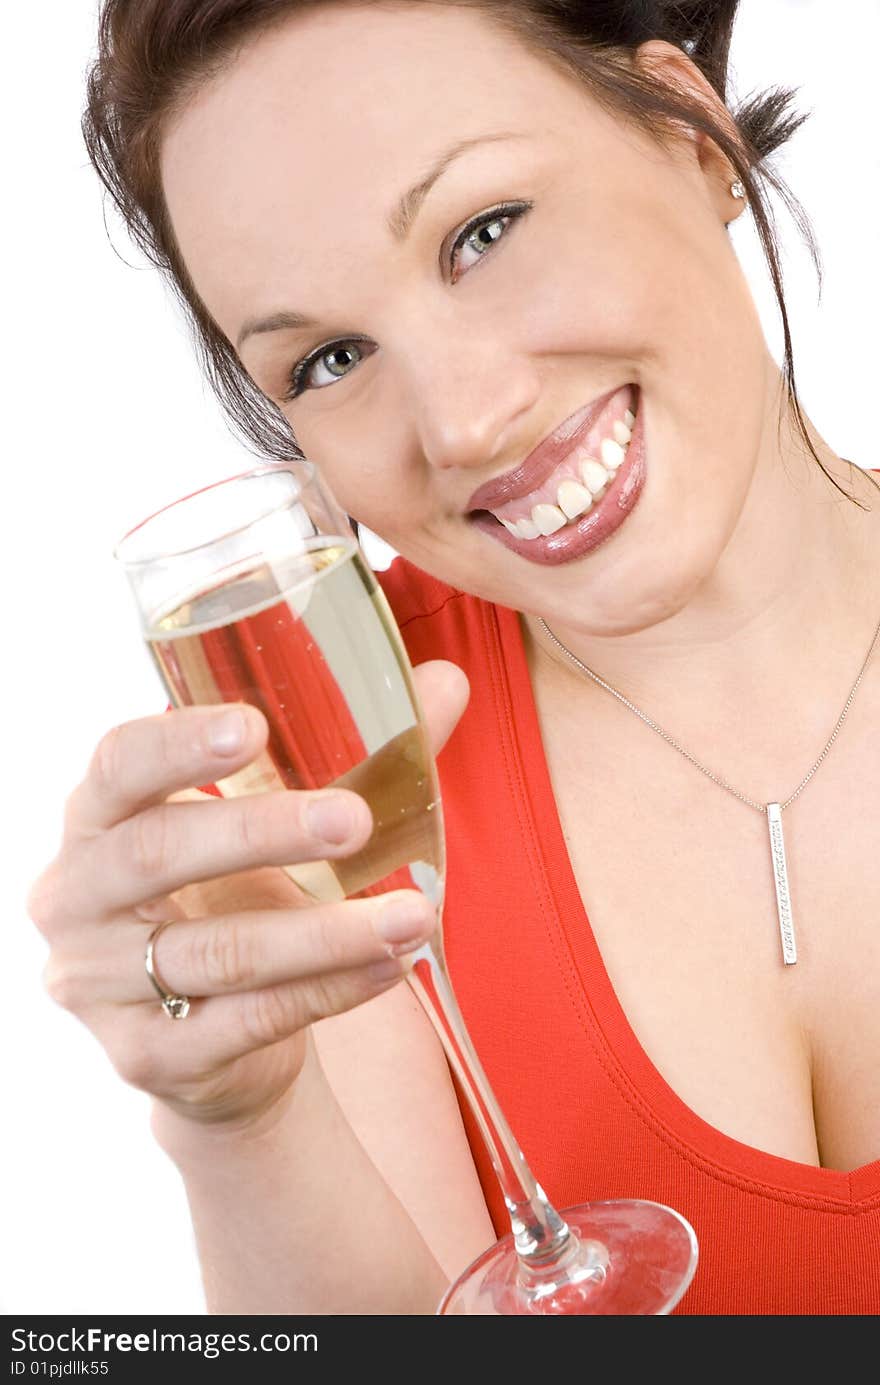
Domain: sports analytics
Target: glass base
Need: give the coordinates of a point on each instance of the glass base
(628, 1257)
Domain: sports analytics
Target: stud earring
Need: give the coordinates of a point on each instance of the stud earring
(737, 189)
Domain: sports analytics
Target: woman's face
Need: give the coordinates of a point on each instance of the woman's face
(560, 260)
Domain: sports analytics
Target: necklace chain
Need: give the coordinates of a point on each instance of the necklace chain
(722, 783)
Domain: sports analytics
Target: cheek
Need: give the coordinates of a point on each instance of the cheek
(368, 455)
(352, 461)
(374, 490)
(607, 279)
(576, 295)
(368, 498)
(678, 301)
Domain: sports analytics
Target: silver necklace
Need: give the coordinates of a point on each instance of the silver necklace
(773, 811)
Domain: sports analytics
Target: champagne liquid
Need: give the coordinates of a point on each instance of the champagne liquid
(310, 640)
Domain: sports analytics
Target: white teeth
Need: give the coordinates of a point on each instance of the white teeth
(622, 433)
(594, 474)
(574, 499)
(612, 454)
(548, 518)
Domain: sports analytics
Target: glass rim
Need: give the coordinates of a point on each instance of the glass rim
(267, 469)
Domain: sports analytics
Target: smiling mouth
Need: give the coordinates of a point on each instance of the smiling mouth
(583, 467)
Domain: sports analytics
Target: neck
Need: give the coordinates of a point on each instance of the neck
(764, 650)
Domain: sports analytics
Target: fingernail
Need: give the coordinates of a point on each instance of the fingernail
(407, 919)
(389, 970)
(331, 819)
(226, 733)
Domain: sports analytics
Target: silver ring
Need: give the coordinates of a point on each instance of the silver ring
(176, 1007)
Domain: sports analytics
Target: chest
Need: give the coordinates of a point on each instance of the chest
(676, 879)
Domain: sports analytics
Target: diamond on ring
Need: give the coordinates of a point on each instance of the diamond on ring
(176, 1007)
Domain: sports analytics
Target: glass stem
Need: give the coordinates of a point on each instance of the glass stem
(540, 1234)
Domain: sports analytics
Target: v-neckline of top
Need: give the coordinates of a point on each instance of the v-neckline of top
(637, 1077)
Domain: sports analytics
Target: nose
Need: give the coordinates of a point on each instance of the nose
(469, 396)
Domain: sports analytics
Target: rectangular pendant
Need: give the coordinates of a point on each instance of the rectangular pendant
(780, 876)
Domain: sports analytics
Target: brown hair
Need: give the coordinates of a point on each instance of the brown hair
(152, 54)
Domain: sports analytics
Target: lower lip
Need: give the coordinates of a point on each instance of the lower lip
(591, 529)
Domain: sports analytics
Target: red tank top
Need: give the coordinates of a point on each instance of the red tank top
(591, 1112)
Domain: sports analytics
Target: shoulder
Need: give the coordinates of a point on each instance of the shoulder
(413, 594)
(436, 620)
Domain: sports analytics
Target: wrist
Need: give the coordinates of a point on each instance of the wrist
(189, 1135)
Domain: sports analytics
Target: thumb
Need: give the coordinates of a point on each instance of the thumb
(443, 690)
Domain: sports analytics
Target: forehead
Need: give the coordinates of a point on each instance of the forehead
(294, 154)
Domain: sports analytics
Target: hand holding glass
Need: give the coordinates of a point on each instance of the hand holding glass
(255, 590)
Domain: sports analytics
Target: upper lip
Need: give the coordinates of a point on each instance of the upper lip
(528, 475)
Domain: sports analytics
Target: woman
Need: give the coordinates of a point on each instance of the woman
(320, 181)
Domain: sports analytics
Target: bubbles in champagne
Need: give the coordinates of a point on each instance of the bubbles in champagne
(311, 642)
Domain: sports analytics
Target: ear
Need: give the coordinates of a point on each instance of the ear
(671, 66)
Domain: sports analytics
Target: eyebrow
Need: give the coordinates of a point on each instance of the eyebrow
(400, 222)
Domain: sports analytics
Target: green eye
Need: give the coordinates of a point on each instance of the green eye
(488, 233)
(302, 376)
(484, 231)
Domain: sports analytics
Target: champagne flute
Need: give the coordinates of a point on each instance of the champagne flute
(255, 590)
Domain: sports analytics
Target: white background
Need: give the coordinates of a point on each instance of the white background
(106, 420)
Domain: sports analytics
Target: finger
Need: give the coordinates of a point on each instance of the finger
(243, 952)
(176, 844)
(228, 1027)
(169, 1058)
(141, 762)
(443, 690)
